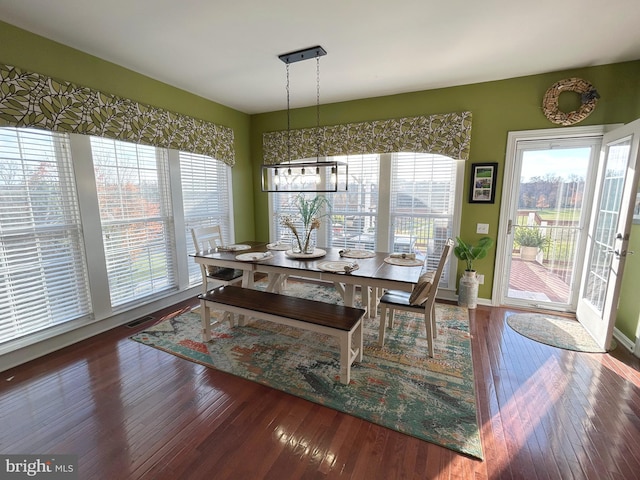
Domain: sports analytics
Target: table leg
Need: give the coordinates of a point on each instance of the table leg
(247, 279)
(275, 282)
(349, 295)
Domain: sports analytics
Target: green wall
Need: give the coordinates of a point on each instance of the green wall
(32, 52)
(628, 319)
(497, 107)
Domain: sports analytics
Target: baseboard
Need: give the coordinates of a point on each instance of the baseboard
(623, 340)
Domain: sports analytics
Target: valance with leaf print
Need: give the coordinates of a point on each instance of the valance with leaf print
(446, 134)
(33, 100)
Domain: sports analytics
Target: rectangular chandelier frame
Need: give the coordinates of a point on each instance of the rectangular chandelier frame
(305, 177)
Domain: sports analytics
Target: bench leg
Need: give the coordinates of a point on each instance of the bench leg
(351, 346)
(345, 358)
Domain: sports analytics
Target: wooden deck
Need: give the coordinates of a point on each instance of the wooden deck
(130, 411)
(530, 280)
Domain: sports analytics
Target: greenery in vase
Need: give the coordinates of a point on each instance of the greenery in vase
(469, 252)
(310, 211)
(530, 237)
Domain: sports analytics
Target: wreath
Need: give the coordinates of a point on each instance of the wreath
(588, 95)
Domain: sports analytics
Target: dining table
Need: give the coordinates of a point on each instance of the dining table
(371, 271)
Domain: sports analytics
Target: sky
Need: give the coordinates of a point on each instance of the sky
(559, 162)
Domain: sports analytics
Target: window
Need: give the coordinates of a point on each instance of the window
(395, 202)
(206, 198)
(125, 212)
(41, 247)
(423, 194)
(354, 213)
(137, 218)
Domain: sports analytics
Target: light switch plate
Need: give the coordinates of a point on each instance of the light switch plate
(482, 228)
(480, 278)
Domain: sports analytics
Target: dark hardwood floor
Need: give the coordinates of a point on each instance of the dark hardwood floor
(131, 411)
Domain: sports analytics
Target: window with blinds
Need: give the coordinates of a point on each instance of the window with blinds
(206, 198)
(354, 212)
(41, 248)
(401, 202)
(137, 219)
(423, 194)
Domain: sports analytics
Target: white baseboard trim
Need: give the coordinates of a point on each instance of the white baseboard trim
(450, 295)
(623, 340)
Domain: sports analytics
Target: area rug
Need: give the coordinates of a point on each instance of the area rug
(397, 386)
(555, 331)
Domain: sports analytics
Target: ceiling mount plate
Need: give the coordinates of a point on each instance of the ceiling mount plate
(305, 54)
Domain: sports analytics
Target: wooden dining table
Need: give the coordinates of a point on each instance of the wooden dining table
(372, 273)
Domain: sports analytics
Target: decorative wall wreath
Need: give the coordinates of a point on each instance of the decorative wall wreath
(588, 95)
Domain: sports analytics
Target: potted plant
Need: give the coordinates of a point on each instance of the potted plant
(467, 252)
(531, 240)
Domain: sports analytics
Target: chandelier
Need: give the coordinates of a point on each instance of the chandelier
(290, 175)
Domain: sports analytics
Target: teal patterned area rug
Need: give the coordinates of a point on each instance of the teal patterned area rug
(397, 386)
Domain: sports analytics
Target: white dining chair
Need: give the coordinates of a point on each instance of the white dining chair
(421, 300)
(207, 238)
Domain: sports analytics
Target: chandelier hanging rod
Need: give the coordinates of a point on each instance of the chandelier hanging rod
(304, 54)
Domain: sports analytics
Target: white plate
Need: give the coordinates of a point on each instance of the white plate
(317, 253)
(279, 246)
(254, 256)
(238, 247)
(358, 254)
(336, 266)
(404, 262)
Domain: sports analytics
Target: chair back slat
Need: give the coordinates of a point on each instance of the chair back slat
(444, 255)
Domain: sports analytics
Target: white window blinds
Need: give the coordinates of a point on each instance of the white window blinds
(206, 200)
(137, 220)
(423, 194)
(354, 212)
(400, 202)
(41, 249)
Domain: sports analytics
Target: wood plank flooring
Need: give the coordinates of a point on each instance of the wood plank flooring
(133, 412)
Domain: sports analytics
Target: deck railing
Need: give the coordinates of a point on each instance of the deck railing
(558, 255)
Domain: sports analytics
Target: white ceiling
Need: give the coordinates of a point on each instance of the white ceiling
(227, 51)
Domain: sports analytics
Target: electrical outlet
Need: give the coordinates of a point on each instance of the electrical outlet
(480, 278)
(482, 228)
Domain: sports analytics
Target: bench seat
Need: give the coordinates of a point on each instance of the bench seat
(344, 323)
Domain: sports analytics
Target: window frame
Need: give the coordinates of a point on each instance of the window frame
(103, 316)
(384, 224)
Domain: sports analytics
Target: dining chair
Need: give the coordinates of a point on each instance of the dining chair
(207, 238)
(420, 300)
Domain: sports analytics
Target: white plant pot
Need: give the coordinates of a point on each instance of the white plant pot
(528, 254)
(468, 290)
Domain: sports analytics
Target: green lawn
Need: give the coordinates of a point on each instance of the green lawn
(563, 214)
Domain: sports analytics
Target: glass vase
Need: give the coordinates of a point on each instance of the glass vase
(305, 242)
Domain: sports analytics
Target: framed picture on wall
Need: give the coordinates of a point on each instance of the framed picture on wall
(636, 209)
(483, 183)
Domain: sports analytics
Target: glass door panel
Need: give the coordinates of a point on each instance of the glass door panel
(609, 232)
(547, 215)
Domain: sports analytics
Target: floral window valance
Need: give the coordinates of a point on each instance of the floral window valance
(33, 100)
(445, 134)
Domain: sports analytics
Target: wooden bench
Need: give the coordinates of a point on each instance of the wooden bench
(344, 323)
